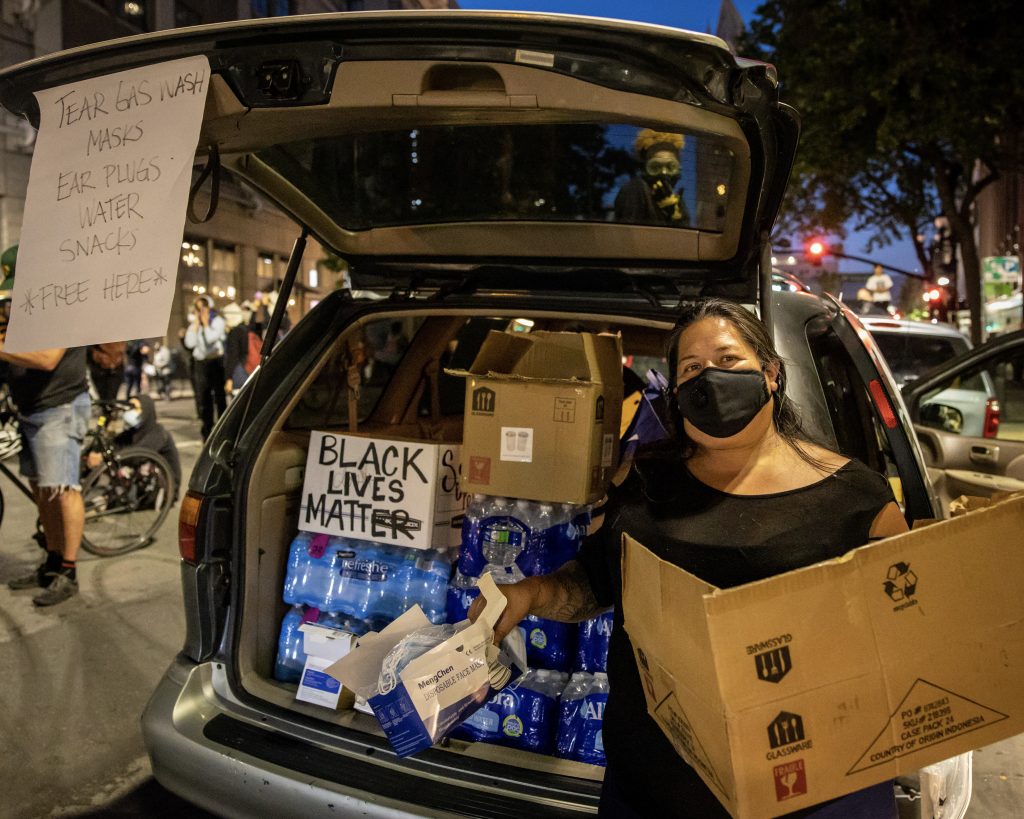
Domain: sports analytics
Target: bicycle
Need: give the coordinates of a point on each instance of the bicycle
(127, 496)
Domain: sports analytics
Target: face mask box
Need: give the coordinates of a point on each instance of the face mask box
(323, 647)
(542, 416)
(819, 682)
(440, 688)
(386, 490)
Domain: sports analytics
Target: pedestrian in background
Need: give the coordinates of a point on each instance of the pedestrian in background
(136, 358)
(880, 286)
(163, 366)
(206, 337)
(106, 368)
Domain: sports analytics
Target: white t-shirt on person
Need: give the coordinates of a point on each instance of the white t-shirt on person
(880, 286)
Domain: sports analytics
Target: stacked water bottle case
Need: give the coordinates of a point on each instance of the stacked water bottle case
(358, 586)
(548, 711)
(355, 586)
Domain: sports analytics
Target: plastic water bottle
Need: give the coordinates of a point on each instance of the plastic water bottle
(573, 525)
(462, 591)
(471, 555)
(589, 736)
(525, 512)
(528, 724)
(369, 582)
(308, 573)
(520, 716)
(554, 539)
(290, 657)
(426, 583)
(342, 622)
(592, 643)
(533, 559)
(568, 714)
(538, 710)
(484, 724)
(503, 539)
(386, 571)
(582, 519)
(549, 644)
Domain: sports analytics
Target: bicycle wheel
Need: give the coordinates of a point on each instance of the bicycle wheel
(10, 440)
(126, 501)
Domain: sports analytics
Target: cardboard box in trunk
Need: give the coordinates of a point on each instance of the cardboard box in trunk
(542, 416)
(822, 681)
(386, 490)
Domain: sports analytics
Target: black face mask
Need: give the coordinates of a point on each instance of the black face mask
(720, 403)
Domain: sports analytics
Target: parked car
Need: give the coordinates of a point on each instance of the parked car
(466, 166)
(963, 458)
(915, 348)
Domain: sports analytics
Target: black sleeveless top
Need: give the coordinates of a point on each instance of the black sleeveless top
(726, 540)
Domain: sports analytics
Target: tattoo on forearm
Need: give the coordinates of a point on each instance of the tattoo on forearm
(572, 599)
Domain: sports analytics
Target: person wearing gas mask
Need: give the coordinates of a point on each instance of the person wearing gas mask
(652, 197)
(737, 495)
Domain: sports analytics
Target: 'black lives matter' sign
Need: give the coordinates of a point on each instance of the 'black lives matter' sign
(391, 491)
(105, 207)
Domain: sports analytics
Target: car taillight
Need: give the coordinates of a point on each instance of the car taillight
(991, 427)
(188, 520)
(882, 402)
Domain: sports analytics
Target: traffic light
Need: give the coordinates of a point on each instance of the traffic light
(814, 250)
(936, 298)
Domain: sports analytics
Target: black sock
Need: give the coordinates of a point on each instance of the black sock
(53, 561)
(67, 568)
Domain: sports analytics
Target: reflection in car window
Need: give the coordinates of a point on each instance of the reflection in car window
(563, 172)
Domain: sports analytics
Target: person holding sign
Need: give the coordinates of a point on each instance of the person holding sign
(51, 392)
(206, 337)
(737, 495)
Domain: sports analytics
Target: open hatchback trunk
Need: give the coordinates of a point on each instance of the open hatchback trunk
(462, 138)
(483, 169)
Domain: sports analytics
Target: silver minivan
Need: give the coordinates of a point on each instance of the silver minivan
(473, 170)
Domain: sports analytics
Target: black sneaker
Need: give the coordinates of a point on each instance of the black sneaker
(39, 577)
(61, 588)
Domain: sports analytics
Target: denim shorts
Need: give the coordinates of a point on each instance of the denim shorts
(51, 452)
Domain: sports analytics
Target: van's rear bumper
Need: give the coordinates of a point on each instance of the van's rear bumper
(239, 767)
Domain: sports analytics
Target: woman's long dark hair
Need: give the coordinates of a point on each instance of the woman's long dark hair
(785, 415)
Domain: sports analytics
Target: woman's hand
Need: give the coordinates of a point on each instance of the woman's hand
(564, 595)
(521, 598)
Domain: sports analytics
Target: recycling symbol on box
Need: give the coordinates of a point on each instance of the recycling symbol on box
(901, 582)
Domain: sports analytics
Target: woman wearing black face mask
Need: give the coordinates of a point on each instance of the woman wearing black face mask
(739, 495)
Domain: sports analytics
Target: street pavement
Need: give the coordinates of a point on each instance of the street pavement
(74, 678)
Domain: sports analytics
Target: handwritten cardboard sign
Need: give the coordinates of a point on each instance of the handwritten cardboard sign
(390, 491)
(105, 208)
